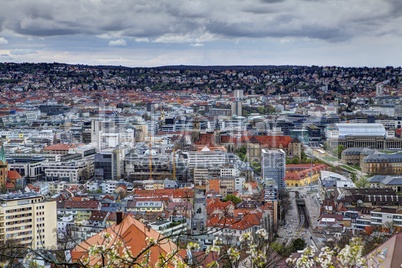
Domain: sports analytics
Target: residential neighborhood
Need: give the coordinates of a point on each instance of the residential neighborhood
(310, 154)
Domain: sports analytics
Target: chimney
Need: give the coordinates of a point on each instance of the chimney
(119, 217)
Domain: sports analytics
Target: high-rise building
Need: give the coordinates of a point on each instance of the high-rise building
(238, 94)
(28, 220)
(273, 166)
(379, 89)
(237, 108)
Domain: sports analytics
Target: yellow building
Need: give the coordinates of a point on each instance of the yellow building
(302, 175)
(28, 220)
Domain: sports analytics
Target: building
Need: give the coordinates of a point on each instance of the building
(237, 108)
(302, 175)
(361, 135)
(28, 220)
(273, 166)
(330, 179)
(388, 254)
(199, 217)
(221, 185)
(380, 216)
(108, 165)
(292, 147)
(130, 234)
(205, 158)
(71, 171)
(355, 156)
(145, 206)
(238, 94)
(381, 163)
(386, 181)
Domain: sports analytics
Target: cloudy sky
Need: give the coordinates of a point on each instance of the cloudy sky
(202, 32)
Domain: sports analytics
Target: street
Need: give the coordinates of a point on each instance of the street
(293, 228)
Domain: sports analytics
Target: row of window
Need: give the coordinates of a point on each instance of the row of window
(18, 222)
(18, 210)
(19, 216)
(18, 228)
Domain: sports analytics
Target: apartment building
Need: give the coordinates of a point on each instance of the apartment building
(28, 220)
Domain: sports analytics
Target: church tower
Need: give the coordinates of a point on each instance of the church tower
(196, 129)
(199, 219)
(3, 167)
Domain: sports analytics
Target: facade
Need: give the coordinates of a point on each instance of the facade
(199, 217)
(361, 135)
(355, 156)
(292, 147)
(145, 206)
(238, 94)
(237, 108)
(273, 166)
(70, 171)
(28, 220)
(381, 216)
(106, 165)
(386, 181)
(205, 158)
(223, 186)
(306, 175)
(379, 163)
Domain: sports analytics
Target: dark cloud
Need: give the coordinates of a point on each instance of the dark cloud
(188, 20)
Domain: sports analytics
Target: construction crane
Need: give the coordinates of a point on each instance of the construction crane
(150, 159)
(174, 165)
(150, 151)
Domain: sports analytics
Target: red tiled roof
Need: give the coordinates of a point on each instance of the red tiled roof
(10, 185)
(205, 139)
(98, 215)
(133, 234)
(297, 172)
(59, 147)
(272, 141)
(174, 193)
(13, 175)
(249, 220)
(214, 204)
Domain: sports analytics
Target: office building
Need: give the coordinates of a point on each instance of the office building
(273, 166)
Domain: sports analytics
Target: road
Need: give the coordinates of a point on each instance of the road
(287, 232)
(325, 158)
(294, 221)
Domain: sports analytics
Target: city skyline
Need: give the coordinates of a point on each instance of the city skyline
(157, 33)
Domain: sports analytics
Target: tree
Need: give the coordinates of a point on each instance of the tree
(339, 151)
(233, 198)
(362, 183)
(298, 244)
(349, 256)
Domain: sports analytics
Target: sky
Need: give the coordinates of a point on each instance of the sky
(149, 33)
